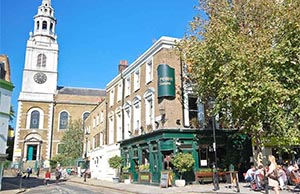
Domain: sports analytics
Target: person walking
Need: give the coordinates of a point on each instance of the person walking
(57, 175)
(37, 172)
(47, 177)
(29, 171)
(273, 174)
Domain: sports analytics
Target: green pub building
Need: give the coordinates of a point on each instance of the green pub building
(151, 113)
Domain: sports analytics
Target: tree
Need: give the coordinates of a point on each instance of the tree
(115, 162)
(245, 56)
(183, 162)
(10, 140)
(72, 141)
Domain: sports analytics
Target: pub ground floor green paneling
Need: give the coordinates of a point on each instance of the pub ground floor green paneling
(157, 148)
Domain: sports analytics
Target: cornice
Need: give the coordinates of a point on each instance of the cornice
(6, 85)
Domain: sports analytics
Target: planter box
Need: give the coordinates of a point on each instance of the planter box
(126, 176)
(145, 177)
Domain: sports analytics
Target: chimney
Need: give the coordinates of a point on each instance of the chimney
(123, 65)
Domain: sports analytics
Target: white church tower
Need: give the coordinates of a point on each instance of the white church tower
(36, 100)
(40, 70)
(45, 110)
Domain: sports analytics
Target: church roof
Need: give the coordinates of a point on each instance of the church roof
(80, 91)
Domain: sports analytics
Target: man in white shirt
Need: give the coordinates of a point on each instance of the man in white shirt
(249, 177)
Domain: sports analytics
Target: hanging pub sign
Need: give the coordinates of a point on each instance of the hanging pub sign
(166, 81)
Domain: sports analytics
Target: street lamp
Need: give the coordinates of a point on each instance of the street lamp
(215, 166)
(215, 170)
(85, 155)
(21, 165)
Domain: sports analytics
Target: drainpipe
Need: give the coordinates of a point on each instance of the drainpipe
(122, 105)
(182, 92)
(106, 121)
(52, 128)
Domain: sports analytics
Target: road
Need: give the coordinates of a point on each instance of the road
(36, 186)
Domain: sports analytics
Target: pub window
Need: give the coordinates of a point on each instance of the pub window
(135, 153)
(136, 80)
(193, 109)
(145, 156)
(149, 71)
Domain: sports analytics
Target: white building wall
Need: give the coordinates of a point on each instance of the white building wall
(5, 102)
(99, 166)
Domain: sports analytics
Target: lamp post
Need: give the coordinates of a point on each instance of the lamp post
(216, 174)
(85, 156)
(215, 166)
(21, 165)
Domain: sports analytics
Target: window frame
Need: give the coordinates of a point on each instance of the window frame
(41, 118)
(44, 25)
(127, 86)
(127, 120)
(149, 71)
(60, 120)
(149, 107)
(137, 80)
(41, 60)
(111, 97)
(120, 90)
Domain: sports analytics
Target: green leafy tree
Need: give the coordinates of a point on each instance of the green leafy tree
(72, 141)
(245, 56)
(183, 162)
(115, 162)
(10, 141)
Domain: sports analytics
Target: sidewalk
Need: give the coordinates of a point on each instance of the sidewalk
(189, 189)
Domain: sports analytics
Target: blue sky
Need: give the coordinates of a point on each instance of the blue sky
(93, 35)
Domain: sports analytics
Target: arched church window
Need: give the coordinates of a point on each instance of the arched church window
(51, 27)
(34, 119)
(63, 120)
(38, 25)
(85, 115)
(41, 60)
(44, 25)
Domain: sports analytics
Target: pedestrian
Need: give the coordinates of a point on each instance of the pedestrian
(29, 171)
(84, 175)
(57, 175)
(249, 176)
(47, 177)
(273, 174)
(37, 172)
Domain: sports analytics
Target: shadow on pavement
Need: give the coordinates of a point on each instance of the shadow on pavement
(12, 183)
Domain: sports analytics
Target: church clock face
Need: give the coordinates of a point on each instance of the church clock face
(40, 78)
